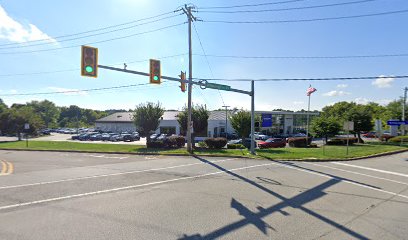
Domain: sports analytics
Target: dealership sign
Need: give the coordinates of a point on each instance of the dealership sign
(266, 120)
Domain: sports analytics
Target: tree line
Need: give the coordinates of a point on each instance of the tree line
(45, 114)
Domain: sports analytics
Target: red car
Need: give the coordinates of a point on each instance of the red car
(273, 143)
(369, 135)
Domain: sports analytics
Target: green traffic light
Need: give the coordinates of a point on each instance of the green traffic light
(156, 78)
(89, 69)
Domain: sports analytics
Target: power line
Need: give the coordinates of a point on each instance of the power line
(308, 20)
(307, 57)
(77, 69)
(206, 59)
(90, 31)
(254, 5)
(102, 41)
(291, 8)
(300, 79)
(90, 35)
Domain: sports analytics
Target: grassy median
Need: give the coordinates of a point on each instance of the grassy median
(322, 153)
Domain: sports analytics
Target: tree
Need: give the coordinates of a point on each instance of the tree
(146, 118)
(199, 116)
(241, 122)
(325, 127)
(48, 112)
(362, 118)
(13, 120)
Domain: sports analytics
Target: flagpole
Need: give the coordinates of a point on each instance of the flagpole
(307, 126)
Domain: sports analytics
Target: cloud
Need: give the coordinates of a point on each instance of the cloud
(342, 86)
(383, 81)
(13, 91)
(68, 92)
(298, 102)
(335, 93)
(14, 31)
(361, 100)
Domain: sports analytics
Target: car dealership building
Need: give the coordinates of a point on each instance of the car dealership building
(280, 123)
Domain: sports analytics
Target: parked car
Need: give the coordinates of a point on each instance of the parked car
(154, 136)
(135, 136)
(127, 138)
(96, 137)
(84, 137)
(106, 136)
(369, 135)
(229, 136)
(45, 131)
(162, 137)
(114, 138)
(246, 142)
(272, 143)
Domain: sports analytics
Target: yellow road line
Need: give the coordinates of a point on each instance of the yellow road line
(7, 168)
(3, 167)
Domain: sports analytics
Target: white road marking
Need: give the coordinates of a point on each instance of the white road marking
(372, 169)
(108, 157)
(357, 173)
(346, 181)
(111, 174)
(126, 188)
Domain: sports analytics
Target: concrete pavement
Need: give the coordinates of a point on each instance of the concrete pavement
(107, 196)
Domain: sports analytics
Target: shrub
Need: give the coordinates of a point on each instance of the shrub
(342, 141)
(385, 137)
(235, 146)
(202, 144)
(175, 141)
(299, 142)
(216, 143)
(155, 145)
(399, 139)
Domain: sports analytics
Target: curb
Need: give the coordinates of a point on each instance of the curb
(216, 155)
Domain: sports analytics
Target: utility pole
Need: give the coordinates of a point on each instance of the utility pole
(252, 117)
(191, 18)
(404, 101)
(226, 119)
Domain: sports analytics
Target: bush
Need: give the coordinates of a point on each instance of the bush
(299, 142)
(155, 145)
(202, 144)
(175, 141)
(216, 143)
(342, 141)
(399, 139)
(385, 137)
(235, 146)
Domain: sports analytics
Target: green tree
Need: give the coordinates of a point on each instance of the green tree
(47, 110)
(146, 118)
(13, 120)
(241, 122)
(325, 127)
(362, 118)
(199, 116)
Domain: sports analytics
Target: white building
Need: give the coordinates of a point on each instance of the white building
(282, 122)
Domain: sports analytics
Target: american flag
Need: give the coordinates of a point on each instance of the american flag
(310, 90)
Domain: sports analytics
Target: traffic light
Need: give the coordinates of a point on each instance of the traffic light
(155, 72)
(89, 61)
(182, 83)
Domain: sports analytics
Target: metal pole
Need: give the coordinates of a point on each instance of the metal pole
(226, 119)
(190, 83)
(307, 123)
(403, 109)
(252, 116)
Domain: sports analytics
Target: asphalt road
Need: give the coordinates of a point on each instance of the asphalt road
(100, 196)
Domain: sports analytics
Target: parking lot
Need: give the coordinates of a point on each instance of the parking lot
(67, 137)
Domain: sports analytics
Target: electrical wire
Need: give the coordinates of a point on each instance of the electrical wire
(208, 63)
(90, 31)
(301, 79)
(254, 5)
(102, 41)
(77, 69)
(87, 36)
(291, 8)
(307, 57)
(308, 20)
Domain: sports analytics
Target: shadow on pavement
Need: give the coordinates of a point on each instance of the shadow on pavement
(255, 218)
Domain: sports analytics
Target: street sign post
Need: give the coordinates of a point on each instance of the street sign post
(348, 126)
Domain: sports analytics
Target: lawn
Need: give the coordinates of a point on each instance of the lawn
(326, 153)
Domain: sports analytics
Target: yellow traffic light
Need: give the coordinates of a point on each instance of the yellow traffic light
(182, 83)
(155, 72)
(89, 61)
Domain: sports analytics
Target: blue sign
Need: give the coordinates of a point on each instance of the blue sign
(397, 123)
(266, 120)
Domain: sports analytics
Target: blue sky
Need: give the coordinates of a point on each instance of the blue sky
(22, 66)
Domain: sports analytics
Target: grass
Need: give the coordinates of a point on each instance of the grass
(329, 152)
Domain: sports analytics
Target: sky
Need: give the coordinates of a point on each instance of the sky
(40, 51)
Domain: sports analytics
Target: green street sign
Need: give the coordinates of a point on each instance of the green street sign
(218, 86)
